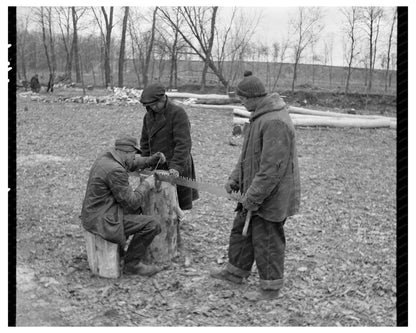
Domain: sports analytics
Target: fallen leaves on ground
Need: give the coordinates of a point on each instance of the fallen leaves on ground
(340, 259)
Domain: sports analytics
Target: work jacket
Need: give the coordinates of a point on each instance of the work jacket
(169, 132)
(108, 193)
(267, 171)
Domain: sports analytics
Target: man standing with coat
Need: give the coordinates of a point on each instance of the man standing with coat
(166, 128)
(267, 176)
(112, 209)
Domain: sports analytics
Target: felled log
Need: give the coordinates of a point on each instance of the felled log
(297, 110)
(206, 106)
(324, 118)
(103, 256)
(163, 202)
(217, 101)
(175, 94)
(304, 120)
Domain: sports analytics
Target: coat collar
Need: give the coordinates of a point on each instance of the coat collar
(117, 157)
(270, 103)
(158, 120)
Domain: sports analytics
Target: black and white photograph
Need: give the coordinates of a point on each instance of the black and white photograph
(224, 165)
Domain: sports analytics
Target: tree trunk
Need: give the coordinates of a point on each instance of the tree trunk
(295, 67)
(149, 52)
(204, 77)
(75, 47)
(107, 45)
(164, 204)
(122, 49)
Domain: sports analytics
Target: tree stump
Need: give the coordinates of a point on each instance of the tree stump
(163, 202)
(103, 256)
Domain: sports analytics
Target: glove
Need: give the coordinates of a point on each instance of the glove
(174, 173)
(155, 159)
(249, 205)
(231, 186)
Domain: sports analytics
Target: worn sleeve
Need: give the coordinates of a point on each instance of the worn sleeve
(144, 139)
(181, 139)
(124, 194)
(274, 159)
(235, 174)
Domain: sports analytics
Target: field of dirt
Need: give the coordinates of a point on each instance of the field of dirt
(341, 248)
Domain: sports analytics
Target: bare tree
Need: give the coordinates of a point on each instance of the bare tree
(352, 17)
(315, 58)
(171, 39)
(21, 45)
(134, 42)
(306, 28)
(142, 45)
(149, 52)
(371, 19)
(328, 55)
(77, 13)
(234, 42)
(106, 29)
(64, 23)
(201, 36)
(279, 51)
(389, 48)
(43, 15)
(121, 59)
(204, 33)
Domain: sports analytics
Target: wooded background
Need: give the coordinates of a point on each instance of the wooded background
(204, 47)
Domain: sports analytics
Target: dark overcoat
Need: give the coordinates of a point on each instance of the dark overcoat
(267, 171)
(169, 132)
(107, 195)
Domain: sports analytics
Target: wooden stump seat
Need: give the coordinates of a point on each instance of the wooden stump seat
(103, 256)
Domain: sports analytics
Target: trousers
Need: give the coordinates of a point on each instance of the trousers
(144, 228)
(264, 244)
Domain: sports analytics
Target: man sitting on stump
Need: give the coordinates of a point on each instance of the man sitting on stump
(112, 208)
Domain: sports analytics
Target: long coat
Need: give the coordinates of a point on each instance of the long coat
(169, 132)
(267, 171)
(108, 193)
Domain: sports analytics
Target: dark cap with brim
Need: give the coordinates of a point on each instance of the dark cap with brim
(127, 144)
(152, 93)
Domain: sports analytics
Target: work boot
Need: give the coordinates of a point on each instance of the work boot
(225, 275)
(141, 269)
(262, 295)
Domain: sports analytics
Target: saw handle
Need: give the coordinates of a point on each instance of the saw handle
(246, 223)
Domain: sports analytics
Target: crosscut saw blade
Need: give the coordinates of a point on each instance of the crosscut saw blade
(218, 191)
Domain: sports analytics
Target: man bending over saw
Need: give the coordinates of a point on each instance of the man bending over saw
(111, 207)
(166, 128)
(267, 176)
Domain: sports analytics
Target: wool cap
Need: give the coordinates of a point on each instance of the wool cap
(127, 144)
(152, 93)
(251, 86)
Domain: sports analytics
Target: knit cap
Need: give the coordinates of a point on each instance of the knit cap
(251, 86)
